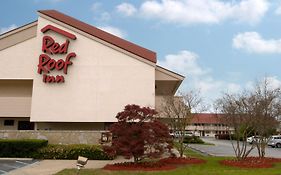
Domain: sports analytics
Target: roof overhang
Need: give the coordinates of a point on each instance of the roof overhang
(167, 82)
(18, 35)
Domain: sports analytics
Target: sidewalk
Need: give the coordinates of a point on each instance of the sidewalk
(48, 167)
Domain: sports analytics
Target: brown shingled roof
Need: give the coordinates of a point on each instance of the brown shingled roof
(107, 37)
(207, 118)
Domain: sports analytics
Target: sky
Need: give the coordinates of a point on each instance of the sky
(218, 45)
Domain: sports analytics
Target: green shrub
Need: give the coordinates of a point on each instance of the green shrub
(39, 149)
(20, 148)
(93, 152)
(227, 137)
(192, 139)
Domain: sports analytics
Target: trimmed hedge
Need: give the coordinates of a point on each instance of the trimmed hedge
(20, 148)
(39, 149)
(227, 137)
(92, 152)
(192, 139)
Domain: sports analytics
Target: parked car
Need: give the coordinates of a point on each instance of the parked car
(172, 134)
(177, 134)
(275, 141)
(253, 139)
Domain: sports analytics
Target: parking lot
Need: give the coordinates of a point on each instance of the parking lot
(224, 148)
(9, 165)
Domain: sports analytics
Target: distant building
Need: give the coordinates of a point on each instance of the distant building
(208, 124)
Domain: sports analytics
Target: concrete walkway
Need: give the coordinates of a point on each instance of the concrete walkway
(48, 167)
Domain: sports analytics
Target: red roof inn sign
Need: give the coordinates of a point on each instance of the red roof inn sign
(51, 47)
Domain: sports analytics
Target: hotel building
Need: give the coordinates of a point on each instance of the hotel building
(58, 73)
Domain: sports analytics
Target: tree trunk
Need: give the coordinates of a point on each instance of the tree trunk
(181, 145)
(263, 147)
(136, 159)
(259, 149)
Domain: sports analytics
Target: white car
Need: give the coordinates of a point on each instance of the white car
(172, 134)
(253, 139)
(178, 134)
(275, 141)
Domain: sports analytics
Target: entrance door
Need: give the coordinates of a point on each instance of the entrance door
(25, 125)
(203, 134)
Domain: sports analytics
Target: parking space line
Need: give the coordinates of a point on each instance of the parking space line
(22, 162)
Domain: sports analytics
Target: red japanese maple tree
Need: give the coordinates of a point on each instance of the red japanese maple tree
(138, 134)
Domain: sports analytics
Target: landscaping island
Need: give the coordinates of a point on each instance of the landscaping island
(212, 166)
(160, 165)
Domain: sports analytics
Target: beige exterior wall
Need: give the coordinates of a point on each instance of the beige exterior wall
(16, 73)
(99, 84)
(15, 106)
(159, 102)
(18, 61)
(15, 98)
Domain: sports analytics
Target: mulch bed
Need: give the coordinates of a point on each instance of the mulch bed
(161, 165)
(251, 162)
(182, 161)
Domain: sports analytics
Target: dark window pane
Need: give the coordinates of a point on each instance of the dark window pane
(25, 125)
(9, 122)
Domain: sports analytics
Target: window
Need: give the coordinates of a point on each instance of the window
(9, 122)
(107, 125)
(25, 125)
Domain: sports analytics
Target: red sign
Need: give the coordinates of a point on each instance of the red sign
(51, 47)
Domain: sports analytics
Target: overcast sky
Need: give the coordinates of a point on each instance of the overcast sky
(219, 45)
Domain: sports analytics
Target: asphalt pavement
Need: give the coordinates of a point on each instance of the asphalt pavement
(7, 165)
(47, 167)
(224, 148)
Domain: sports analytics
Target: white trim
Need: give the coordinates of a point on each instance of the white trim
(169, 73)
(19, 29)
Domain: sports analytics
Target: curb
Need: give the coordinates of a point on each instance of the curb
(12, 158)
(201, 152)
(209, 154)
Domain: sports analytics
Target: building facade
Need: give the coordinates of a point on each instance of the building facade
(58, 73)
(208, 124)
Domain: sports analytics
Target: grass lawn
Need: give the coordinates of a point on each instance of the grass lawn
(212, 167)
